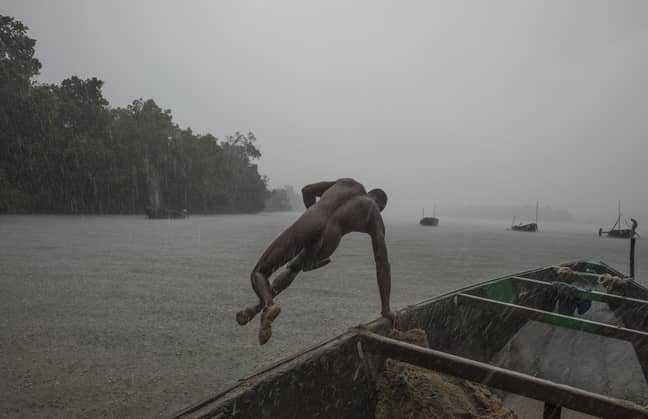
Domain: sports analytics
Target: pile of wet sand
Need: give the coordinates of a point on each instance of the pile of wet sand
(406, 391)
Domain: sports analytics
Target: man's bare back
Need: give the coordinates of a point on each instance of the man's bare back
(344, 206)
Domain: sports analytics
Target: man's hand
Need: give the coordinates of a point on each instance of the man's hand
(392, 316)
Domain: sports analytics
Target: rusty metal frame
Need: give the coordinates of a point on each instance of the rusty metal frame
(556, 395)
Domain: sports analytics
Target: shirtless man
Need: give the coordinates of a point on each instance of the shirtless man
(344, 206)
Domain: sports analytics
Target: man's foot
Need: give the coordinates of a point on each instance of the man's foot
(245, 315)
(267, 317)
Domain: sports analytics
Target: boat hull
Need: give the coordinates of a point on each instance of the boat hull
(466, 330)
(531, 227)
(429, 221)
(165, 214)
(619, 234)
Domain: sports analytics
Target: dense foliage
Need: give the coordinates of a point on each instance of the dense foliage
(64, 149)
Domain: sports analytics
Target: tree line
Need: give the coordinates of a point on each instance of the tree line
(64, 149)
(284, 199)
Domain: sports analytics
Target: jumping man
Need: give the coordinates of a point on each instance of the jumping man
(343, 207)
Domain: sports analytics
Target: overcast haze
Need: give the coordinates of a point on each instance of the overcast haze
(454, 103)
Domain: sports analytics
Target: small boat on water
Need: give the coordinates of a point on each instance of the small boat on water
(568, 337)
(620, 233)
(429, 221)
(528, 227)
(162, 213)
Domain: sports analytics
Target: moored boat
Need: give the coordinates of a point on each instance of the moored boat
(528, 227)
(429, 221)
(583, 324)
(165, 213)
(620, 233)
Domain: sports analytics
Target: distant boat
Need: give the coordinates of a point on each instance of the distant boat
(620, 233)
(528, 227)
(161, 213)
(429, 221)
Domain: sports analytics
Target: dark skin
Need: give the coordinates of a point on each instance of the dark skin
(343, 207)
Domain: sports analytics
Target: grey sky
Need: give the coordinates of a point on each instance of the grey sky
(454, 102)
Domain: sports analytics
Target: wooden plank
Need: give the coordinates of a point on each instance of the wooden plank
(503, 379)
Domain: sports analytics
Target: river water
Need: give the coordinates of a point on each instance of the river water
(123, 316)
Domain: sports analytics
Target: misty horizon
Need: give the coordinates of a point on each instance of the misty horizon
(453, 104)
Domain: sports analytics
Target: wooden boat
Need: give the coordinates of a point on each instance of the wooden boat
(469, 331)
(165, 213)
(429, 221)
(617, 232)
(528, 227)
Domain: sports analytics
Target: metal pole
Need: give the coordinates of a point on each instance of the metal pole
(632, 255)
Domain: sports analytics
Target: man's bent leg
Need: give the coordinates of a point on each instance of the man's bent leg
(280, 283)
(318, 265)
(269, 314)
(262, 288)
(280, 251)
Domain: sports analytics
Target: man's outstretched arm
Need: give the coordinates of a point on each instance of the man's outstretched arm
(314, 190)
(383, 270)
